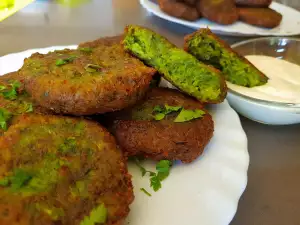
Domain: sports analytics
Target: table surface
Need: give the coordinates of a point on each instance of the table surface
(272, 196)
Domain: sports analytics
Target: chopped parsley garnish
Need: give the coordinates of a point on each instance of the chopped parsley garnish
(163, 170)
(4, 117)
(97, 216)
(87, 50)
(187, 115)
(184, 115)
(68, 146)
(60, 62)
(145, 191)
(19, 179)
(161, 111)
(12, 93)
(92, 68)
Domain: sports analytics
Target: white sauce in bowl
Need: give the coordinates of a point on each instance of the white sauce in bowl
(283, 84)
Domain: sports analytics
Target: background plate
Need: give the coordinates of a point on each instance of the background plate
(290, 24)
(205, 192)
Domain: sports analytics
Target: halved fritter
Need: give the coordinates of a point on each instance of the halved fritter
(97, 77)
(208, 48)
(167, 125)
(177, 66)
(262, 17)
(59, 170)
(219, 11)
(179, 9)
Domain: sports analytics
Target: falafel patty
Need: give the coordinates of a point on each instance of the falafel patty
(142, 132)
(97, 77)
(61, 170)
(208, 48)
(177, 66)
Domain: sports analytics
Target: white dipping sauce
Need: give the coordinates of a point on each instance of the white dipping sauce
(283, 84)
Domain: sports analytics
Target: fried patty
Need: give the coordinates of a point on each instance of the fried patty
(59, 170)
(254, 3)
(177, 66)
(139, 134)
(210, 49)
(262, 17)
(219, 11)
(97, 77)
(179, 9)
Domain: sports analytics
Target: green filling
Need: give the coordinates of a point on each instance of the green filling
(206, 49)
(97, 216)
(4, 117)
(181, 68)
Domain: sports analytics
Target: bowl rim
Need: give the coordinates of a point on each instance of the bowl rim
(257, 100)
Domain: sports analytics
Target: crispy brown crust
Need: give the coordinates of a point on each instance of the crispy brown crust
(221, 42)
(254, 3)
(263, 17)
(110, 182)
(219, 11)
(113, 90)
(179, 9)
(190, 2)
(164, 139)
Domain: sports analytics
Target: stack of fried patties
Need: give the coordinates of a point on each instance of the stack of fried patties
(254, 12)
(57, 166)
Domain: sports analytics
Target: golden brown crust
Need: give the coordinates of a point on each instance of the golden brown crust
(262, 17)
(254, 3)
(70, 89)
(179, 9)
(219, 11)
(223, 44)
(164, 139)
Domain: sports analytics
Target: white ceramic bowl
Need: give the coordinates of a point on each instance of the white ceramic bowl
(267, 112)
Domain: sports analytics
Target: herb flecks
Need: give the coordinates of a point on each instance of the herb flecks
(86, 49)
(4, 117)
(92, 68)
(97, 216)
(188, 115)
(162, 172)
(12, 93)
(60, 62)
(160, 112)
(145, 191)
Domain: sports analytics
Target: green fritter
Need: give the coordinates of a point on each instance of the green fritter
(177, 66)
(97, 77)
(60, 170)
(167, 125)
(208, 48)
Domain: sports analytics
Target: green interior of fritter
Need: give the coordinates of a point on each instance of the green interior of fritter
(176, 65)
(236, 71)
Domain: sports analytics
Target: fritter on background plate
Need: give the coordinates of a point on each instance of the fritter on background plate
(179, 9)
(219, 11)
(208, 48)
(177, 66)
(254, 3)
(167, 125)
(97, 77)
(262, 17)
(61, 170)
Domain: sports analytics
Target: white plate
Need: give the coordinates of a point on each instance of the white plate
(290, 24)
(205, 192)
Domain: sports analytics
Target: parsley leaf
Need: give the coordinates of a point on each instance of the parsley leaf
(145, 191)
(92, 68)
(161, 111)
(19, 179)
(69, 145)
(86, 49)
(4, 182)
(187, 115)
(2, 87)
(29, 107)
(163, 166)
(60, 62)
(97, 216)
(163, 171)
(13, 92)
(155, 183)
(4, 117)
